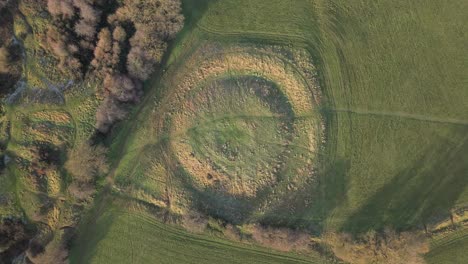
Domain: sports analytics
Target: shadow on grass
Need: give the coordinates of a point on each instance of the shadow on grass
(309, 206)
(93, 229)
(193, 11)
(429, 188)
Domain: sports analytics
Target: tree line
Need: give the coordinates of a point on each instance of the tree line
(121, 42)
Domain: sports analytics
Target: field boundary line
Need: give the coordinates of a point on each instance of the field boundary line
(431, 119)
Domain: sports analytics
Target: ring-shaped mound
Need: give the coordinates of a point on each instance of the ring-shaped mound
(244, 122)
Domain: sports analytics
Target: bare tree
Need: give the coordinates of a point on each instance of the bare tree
(86, 162)
(102, 61)
(85, 29)
(61, 8)
(119, 34)
(87, 11)
(139, 63)
(122, 88)
(108, 113)
(156, 22)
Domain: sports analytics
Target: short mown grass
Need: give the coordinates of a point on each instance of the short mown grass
(123, 237)
(449, 248)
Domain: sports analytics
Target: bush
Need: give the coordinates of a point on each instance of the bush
(86, 162)
(139, 63)
(162, 19)
(10, 68)
(14, 238)
(59, 45)
(109, 112)
(387, 247)
(152, 22)
(282, 239)
(122, 88)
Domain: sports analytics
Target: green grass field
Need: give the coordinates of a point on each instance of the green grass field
(449, 248)
(123, 237)
(391, 101)
(394, 84)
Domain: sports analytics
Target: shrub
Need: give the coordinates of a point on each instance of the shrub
(387, 247)
(109, 112)
(14, 238)
(139, 65)
(122, 88)
(10, 68)
(86, 162)
(155, 23)
(59, 45)
(282, 239)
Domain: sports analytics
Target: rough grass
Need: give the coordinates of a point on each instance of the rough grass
(234, 129)
(35, 120)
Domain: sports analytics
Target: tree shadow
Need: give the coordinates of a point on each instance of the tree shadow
(428, 188)
(93, 229)
(193, 11)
